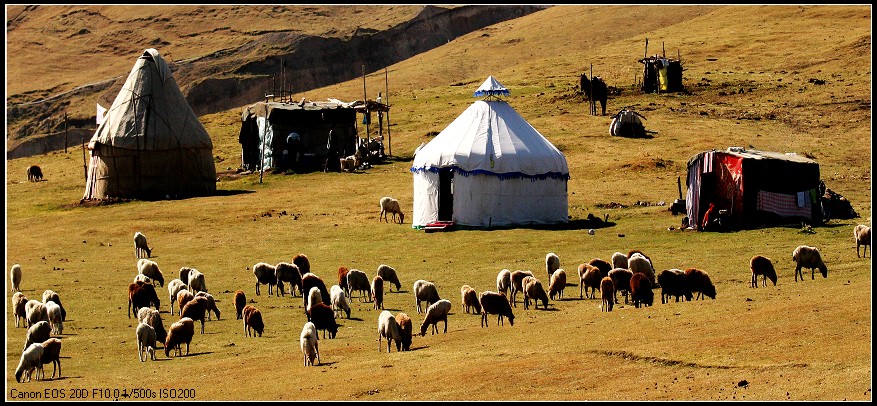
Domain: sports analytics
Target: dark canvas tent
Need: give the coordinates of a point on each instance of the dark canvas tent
(661, 75)
(150, 144)
(755, 187)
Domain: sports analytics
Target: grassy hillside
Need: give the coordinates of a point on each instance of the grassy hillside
(807, 340)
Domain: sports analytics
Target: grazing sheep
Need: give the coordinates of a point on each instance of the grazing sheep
(37, 333)
(495, 303)
(35, 311)
(145, 341)
(150, 268)
(303, 264)
(313, 298)
(324, 318)
(240, 300)
(808, 257)
(348, 163)
(50, 295)
(424, 291)
(357, 281)
(311, 280)
(184, 275)
(288, 272)
(762, 266)
(504, 281)
(253, 320)
(552, 263)
(211, 304)
(55, 320)
(389, 275)
(196, 281)
(517, 278)
(469, 298)
(15, 276)
(862, 234)
(435, 313)
(142, 278)
(342, 279)
(601, 264)
(388, 328)
(265, 275)
(621, 279)
(699, 281)
(34, 173)
(19, 304)
(183, 297)
(640, 264)
(153, 318)
(180, 332)
(339, 300)
(140, 246)
(607, 294)
(173, 289)
(406, 330)
(589, 278)
(30, 363)
(52, 354)
(619, 260)
(310, 347)
(557, 284)
(533, 289)
(641, 290)
(673, 283)
(378, 292)
(195, 309)
(390, 205)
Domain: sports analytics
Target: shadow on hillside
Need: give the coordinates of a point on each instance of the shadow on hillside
(575, 224)
(232, 192)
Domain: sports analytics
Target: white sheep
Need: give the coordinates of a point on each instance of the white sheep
(173, 289)
(31, 361)
(288, 272)
(265, 275)
(357, 281)
(196, 281)
(150, 268)
(50, 295)
(552, 263)
(140, 246)
(391, 205)
(56, 322)
(35, 311)
(310, 346)
(619, 260)
(388, 328)
(862, 234)
(314, 297)
(19, 301)
(339, 301)
(424, 291)
(153, 318)
(37, 333)
(469, 298)
(504, 281)
(15, 275)
(388, 274)
(808, 257)
(145, 341)
(435, 313)
(142, 278)
(638, 263)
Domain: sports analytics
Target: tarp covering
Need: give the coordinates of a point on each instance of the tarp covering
(150, 144)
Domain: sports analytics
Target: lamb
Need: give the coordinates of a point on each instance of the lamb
(435, 313)
(50, 295)
(211, 304)
(150, 268)
(378, 292)
(699, 281)
(556, 284)
(265, 275)
(310, 347)
(342, 279)
(183, 297)
(503, 281)
(55, 321)
(303, 264)
(641, 290)
(37, 333)
(619, 260)
(240, 300)
(19, 303)
(673, 283)
(339, 300)
(195, 309)
(35, 311)
(388, 328)
(469, 297)
(313, 298)
(140, 246)
(640, 264)
(34, 173)
(391, 205)
(30, 363)
(310, 281)
(589, 278)
(607, 294)
(533, 289)
(495, 303)
(173, 289)
(862, 234)
(288, 272)
(253, 320)
(808, 257)
(145, 341)
(196, 281)
(601, 264)
(15, 276)
(324, 318)
(153, 318)
(357, 281)
(389, 275)
(518, 277)
(180, 332)
(406, 330)
(762, 266)
(52, 354)
(425, 291)
(621, 279)
(552, 263)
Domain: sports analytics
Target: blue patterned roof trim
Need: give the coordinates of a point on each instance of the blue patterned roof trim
(501, 176)
(503, 92)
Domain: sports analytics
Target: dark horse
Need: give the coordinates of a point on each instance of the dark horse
(600, 91)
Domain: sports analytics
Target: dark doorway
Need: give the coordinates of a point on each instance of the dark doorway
(446, 195)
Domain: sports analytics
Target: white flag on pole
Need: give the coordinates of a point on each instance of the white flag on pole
(101, 112)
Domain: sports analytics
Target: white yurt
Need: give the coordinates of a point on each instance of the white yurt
(488, 168)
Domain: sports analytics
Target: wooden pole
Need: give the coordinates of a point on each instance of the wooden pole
(663, 50)
(365, 99)
(84, 161)
(65, 132)
(387, 91)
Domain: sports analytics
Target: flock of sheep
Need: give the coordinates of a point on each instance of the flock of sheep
(632, 275)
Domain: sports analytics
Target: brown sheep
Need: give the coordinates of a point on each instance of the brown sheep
(556, 284)
(388, 273)
(533, 290)
(621, 279)
(52, 353)
(607, 293)
(495, 303)
(183, 297)
(253, 320)
(286, 272)
(309, 281)
(699, 281)
(518, 277)
(589, 278)
(180, 332)
(196, 309)
(862, 234)
(641, 290)
(342, 278)
(406, 330)
(303, 264)
(141, 295)
(240, 300)
(323, 318)
(673, 283)
(762, 266)
(601, 264)
(469, 298)
(378, 292)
